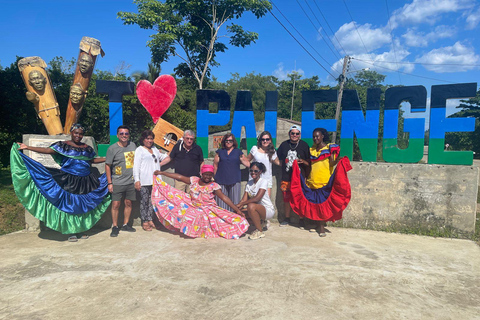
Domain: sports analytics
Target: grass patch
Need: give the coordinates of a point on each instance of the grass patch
(12, 213)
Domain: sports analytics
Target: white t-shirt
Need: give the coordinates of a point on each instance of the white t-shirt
(252, 189)
(263, 158)
(144, 164)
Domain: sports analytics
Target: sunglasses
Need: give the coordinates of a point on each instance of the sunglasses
(254, 171)
(267, 139)
(229, 141)
(294, 133)
(154, 158)
(123, 133)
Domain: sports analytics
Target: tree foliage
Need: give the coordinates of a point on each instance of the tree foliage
(191, 30)
(467, 140)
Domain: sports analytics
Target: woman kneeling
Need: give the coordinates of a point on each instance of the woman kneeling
(259, 206)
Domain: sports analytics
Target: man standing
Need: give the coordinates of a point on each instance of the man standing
(119, 170)
(288, 152)
(188, 158)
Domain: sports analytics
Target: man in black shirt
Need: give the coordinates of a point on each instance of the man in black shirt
(188, 157)
(288, 152)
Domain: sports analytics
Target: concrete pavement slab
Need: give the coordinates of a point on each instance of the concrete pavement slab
(289, 274)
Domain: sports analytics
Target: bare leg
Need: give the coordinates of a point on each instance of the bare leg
(257, 213)
(127, 211)
(115, 207)
(322, 226)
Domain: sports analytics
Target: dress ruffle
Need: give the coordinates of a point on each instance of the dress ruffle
(58, 209)
(177, 212)
(327, 203)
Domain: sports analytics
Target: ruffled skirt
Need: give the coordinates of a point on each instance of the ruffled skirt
(176, 211)
(58, 208)
(324, 204)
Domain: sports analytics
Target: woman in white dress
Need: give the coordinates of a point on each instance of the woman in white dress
(265, 153)
(259, 207)
(147, 160)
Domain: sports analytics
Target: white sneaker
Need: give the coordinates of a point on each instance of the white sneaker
(256, 235)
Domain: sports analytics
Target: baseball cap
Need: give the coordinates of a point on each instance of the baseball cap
(295, 127)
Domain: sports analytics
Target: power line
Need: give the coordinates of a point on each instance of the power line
(299, 41)
(425, 63)
(333, 33)
(391, 40)
(408, 74)
(355, 25)
(316, 29)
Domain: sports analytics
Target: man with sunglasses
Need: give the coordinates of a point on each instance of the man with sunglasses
(289, 151)
(188, 158)
(119, 170)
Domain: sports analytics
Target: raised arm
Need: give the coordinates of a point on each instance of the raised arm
(245, 161)
(36, 149)
(176, 176)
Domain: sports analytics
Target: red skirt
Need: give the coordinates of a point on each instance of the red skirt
(330, 201)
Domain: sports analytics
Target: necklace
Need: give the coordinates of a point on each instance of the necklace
(290, 144)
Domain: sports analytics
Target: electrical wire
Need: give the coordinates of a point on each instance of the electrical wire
(409, 74)
(355, 25)
(299, 41)
(316, 29)
(391, 40)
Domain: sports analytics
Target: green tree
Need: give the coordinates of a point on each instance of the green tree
(191, 30)
(467, 140)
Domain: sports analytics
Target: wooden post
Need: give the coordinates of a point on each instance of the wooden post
(340, 95)
(40, 93)
(90, 48)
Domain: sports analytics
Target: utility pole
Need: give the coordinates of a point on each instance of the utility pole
(293, 91)
(341, 79)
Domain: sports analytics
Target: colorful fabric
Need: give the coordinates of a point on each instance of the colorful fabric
(46, 200)
(327, 203)
(320, 165)
(196, 214)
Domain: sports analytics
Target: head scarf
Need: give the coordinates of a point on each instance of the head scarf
(206, 168)
(76, 126)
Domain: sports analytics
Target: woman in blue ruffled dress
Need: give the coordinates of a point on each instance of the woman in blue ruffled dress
(70, 200)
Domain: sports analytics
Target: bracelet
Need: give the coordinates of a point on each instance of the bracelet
(109, 184)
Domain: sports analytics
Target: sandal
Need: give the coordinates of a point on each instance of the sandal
(146, 226)
(83, 236)
(323, 234)
(72, 239)
(152, 224)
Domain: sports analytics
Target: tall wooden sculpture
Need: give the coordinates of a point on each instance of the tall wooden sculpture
(90, 48)
(40, 93)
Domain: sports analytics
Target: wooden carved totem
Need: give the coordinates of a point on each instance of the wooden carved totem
(90, 48)
(40, 93)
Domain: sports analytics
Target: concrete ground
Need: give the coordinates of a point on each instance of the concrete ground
(289, 274)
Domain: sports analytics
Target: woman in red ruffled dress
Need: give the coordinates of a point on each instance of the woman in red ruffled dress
(326, 192)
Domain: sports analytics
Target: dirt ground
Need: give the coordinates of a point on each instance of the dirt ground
(289, 274)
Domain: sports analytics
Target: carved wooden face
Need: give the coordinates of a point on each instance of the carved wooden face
(76, 95)
(85, 63)
(37, 80)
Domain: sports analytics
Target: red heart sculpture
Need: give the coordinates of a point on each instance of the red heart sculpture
(158, 97)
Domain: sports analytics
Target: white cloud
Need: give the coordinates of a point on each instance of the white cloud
(473, 19)
(426, 11)
(372, 38)
(414, 38)
(456, 58)
(282, 74)
(381, 63)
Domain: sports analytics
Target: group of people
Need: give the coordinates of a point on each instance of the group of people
(206, 200)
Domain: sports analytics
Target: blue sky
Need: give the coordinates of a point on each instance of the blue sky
(429, 42)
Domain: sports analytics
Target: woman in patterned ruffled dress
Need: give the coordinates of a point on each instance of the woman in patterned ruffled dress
(196, 215)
